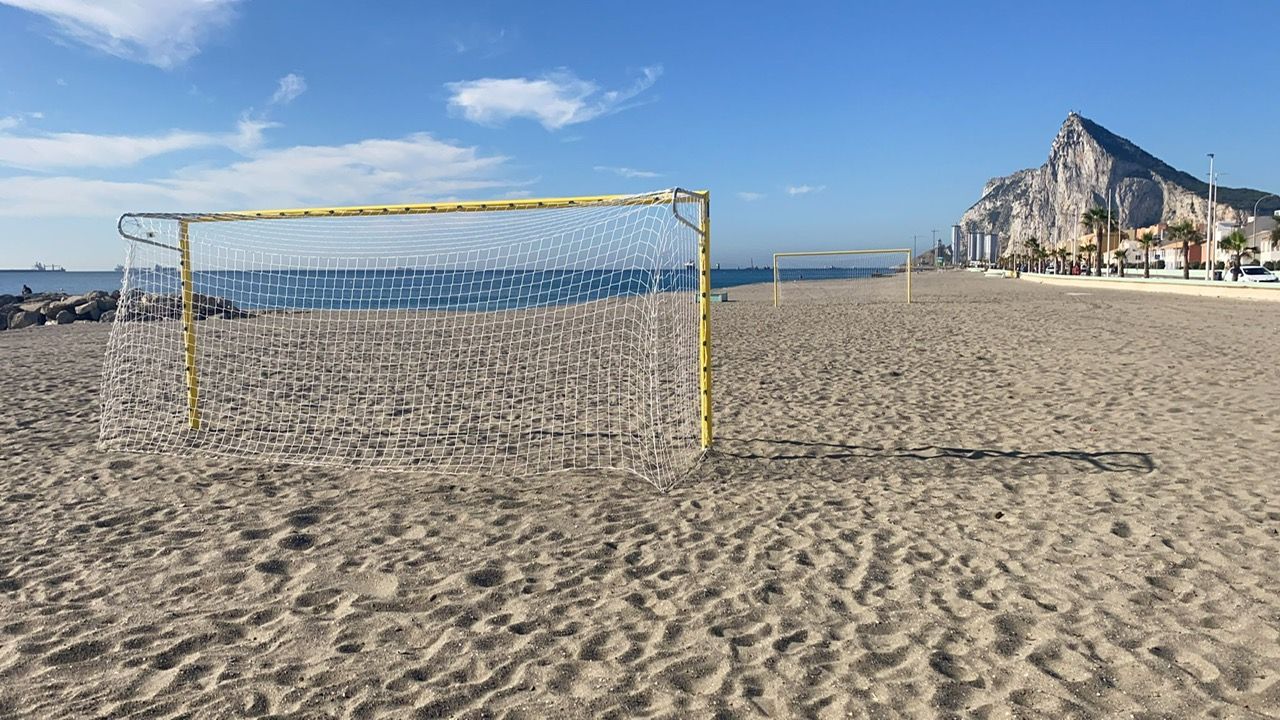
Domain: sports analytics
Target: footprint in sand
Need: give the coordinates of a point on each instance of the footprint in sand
(485, 577)
(373, 584)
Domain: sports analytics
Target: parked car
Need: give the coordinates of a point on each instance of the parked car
(1257, 274)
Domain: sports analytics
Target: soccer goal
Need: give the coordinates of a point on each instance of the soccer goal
(833, 276)
(518, 337)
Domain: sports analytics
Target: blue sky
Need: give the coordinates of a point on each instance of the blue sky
(815, 125)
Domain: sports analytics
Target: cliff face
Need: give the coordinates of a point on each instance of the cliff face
(1085, 160)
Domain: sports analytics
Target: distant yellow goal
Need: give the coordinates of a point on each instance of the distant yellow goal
(853, 265)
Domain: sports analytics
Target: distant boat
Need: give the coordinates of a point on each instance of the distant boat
(688, 265)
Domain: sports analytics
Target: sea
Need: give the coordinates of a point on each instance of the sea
(468, 290)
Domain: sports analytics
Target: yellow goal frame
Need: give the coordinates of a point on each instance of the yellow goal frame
(674, 197)
(777, 282)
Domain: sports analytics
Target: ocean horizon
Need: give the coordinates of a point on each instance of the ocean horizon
(404, 288)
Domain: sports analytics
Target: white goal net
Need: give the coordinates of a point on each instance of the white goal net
(466, 338)
(840, 277)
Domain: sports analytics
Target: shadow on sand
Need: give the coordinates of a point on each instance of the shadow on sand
(1110, 461)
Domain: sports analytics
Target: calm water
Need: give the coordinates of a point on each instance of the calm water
(442, 289)
(72, 283)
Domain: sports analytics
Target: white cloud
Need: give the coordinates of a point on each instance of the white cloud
(413, 168)
(9, 122)
(164, 33)
(627, 172)
(485, 40)
(794, 190)
(556, 100)
(750, 196)
(60, 82)
(51, 151)
(289, 88)
(65, 150)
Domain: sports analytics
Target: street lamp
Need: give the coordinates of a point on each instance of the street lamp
(1208, 228)
(1255, 213)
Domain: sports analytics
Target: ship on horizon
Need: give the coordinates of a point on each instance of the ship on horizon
(38, 267)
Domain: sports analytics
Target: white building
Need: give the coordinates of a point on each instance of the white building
(991, 252)
(976, 247)
(1258, 229)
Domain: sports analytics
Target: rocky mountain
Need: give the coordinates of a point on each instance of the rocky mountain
(1084, 162)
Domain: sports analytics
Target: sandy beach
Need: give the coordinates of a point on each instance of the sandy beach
(1005, 500)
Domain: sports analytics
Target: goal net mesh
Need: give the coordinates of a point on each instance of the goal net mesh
(515, 340)
(835, 279)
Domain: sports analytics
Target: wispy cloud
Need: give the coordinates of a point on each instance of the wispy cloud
(627, 172)
(9, 122)
(288, 88)
(416, 167)
(556, 100)
(794, 190)
(750, 196)
(164, 33)
(484, 40)
(51, 151)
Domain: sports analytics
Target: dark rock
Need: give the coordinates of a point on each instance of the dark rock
(108, 316)
(25, 318)
(66, 317)
(53, 309)
(4, 321)
(107, 303)
(138, 306)
(89, 309)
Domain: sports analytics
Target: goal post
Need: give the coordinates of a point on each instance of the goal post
(905, 266)
(526, 335)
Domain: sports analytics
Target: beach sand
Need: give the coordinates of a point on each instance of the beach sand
(1005, 500)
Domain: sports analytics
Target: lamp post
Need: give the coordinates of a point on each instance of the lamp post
(1102, 245)
(1075, 238)
(1255, 213)
(1208, 228)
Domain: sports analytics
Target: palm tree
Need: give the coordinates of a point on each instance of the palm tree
(1146, 240)
(1122, 254)
(1095, 219)
(1237, 244)
(1033, 249)
(1184, 230)
(1062, 254)
(1275, 235)
(1089, 249)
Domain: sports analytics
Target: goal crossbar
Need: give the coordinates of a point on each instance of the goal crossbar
(777, 280)
(674, 197)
